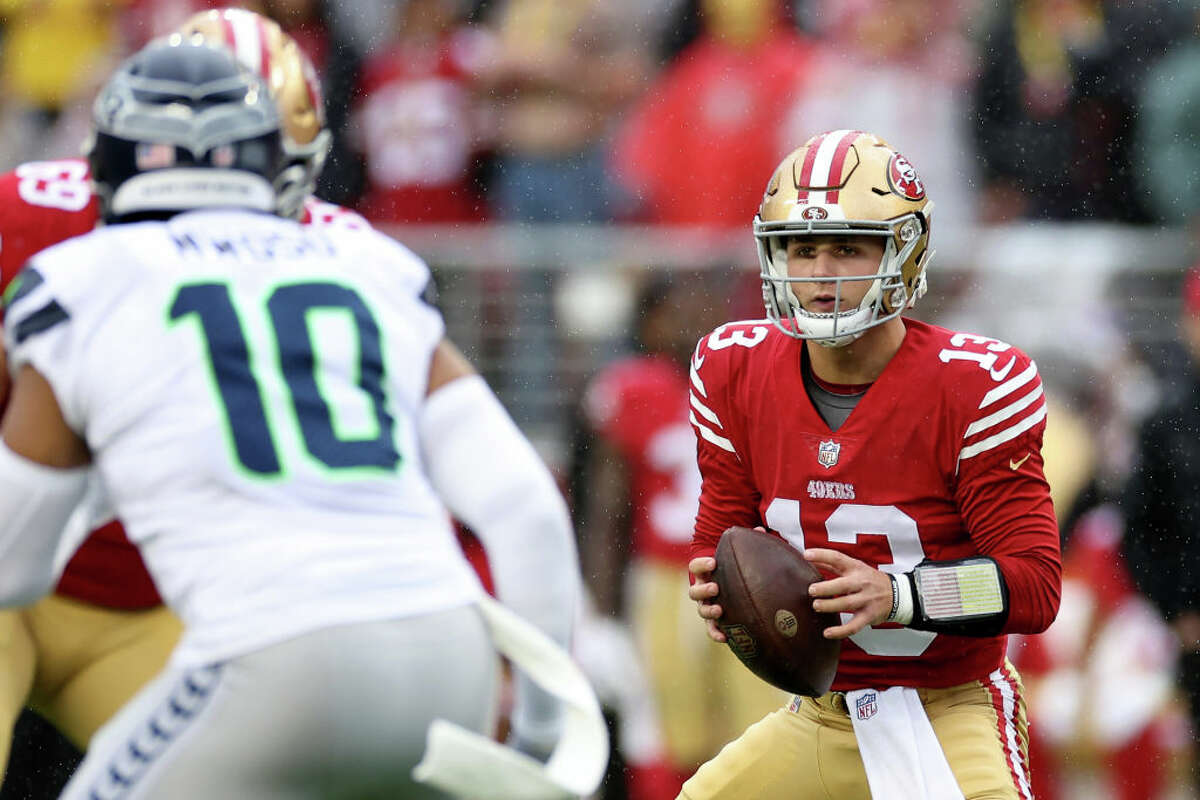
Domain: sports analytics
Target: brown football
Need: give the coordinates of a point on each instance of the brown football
(767, 616)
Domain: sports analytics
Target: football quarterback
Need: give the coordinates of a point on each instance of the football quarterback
(829, 186)
(904, 461)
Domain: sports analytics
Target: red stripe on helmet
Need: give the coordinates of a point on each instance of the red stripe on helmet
(264, 52)
(838, 163)
(230, 33)
(810, 156)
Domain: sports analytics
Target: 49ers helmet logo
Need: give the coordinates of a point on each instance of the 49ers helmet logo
(814, 213)
(903, 178)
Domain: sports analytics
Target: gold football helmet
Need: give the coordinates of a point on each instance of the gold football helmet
(849, 183)
(262, 46)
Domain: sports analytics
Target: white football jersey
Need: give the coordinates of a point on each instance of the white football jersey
(249, 388)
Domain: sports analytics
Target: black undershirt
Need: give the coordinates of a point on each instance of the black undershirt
(833, 407)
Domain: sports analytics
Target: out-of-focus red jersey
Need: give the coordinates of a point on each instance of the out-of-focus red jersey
(418, 130)
(322, 214)
(716, 113)
(44, 203)
(41, 204)
(940, 460)
(640, 404)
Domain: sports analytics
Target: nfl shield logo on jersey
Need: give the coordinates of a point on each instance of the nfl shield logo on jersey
(827, 453)
(865, 706)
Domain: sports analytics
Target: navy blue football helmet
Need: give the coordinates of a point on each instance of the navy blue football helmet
(183, 125)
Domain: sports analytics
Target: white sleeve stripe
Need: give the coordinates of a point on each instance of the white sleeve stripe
(983, 445)
(699, 384)
(1009, 386)
(719, 441)
(1003, 414)
(705, 411)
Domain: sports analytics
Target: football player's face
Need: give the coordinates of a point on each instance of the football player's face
(832, 257)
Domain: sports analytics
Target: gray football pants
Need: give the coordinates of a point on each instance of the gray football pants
(339, 713)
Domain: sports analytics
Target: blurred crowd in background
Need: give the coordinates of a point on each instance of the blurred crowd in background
(567, 166)
(671, 111)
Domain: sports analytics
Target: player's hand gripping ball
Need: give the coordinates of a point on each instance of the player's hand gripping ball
(767, 616)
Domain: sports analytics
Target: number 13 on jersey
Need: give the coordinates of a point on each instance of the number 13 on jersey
(311, 380)
(845, 525)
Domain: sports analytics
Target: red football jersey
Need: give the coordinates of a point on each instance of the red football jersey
(44, 203)
(418, 128)
(640, 404)
(41, 204)
(940, 460)
(715, 113)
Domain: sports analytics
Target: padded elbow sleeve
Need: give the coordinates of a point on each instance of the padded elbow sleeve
(490, 477)
(35, 505)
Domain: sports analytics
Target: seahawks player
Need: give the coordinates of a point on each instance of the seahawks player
(277, 419)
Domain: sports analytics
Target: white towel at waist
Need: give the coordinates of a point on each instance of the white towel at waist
(900, 752)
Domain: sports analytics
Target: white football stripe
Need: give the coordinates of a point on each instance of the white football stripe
(705, 411)
(699, 384)
(719, 441)
(1003, 414)
(1009, 386)
(822, 164)
(247, 43)
(983, 445)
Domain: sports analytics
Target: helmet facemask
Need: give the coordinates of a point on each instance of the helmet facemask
(886, 299)
(298, 181)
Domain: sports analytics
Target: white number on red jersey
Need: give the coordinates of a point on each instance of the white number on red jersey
(986, 360)
(673, 512)
(55, 184)
(717, 340)
(845, 525)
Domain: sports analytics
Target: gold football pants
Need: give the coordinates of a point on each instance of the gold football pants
(76, 664)
(704, 695)
(808, 751)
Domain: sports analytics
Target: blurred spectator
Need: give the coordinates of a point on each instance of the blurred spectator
(676, 24)
(694, 150)
(907, 65)
(1054, 106)
(643, 490)
(303, 20)
(144, 20)
(1169, 134)
(417, 124)
(1099, 681)
(1162, 506)
(564, 69)
(54, 53)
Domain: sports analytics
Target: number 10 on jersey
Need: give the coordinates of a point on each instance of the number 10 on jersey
(288, 308)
